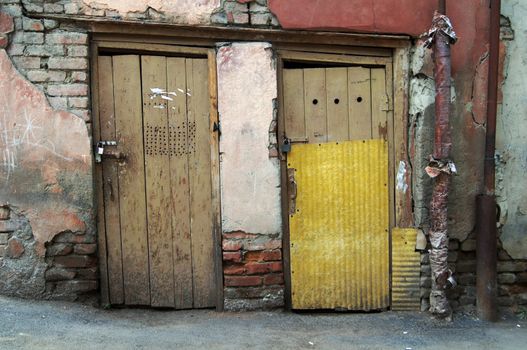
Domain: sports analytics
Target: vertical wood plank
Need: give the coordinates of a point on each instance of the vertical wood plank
(379, 104)
(293, 103)
(180, 206)
(315, 104)
(200, 185)
(403, 198)
(129, 124)
(337, 104)
(157, 179)
(215, 176)
(110, 183)
(359, 103)
(390, 137)
(98, 176)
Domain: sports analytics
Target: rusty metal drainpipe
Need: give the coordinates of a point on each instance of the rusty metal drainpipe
(440, 166)
(486, 240)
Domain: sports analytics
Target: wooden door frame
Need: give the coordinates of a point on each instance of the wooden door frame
(396, 66)
(101, 45)
(174, 39)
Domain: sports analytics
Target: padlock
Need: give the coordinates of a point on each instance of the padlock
(100, 148)
(286, 146)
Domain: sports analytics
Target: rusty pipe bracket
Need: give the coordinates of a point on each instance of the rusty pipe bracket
(438, 166)
(440, 23)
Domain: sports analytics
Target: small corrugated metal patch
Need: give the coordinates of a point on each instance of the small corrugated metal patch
(339, 241)
(406, 264)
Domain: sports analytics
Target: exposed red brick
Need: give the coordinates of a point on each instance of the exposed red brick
(59, 249)
(265, 255)
(242, 281)
(85, 249)
(231, 245)
(273, 279)
(14, 248)
(255, 268)
(272, 255)
(59, 274)
(276, 266)
(76, 261)
(232, 256)
(6, 23)
(272, 244)
(234, 270)
(87, 274)
(238, 235)
(254, 256)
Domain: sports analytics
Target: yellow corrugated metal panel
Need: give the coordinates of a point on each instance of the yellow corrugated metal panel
(406, 265)
(339, 233)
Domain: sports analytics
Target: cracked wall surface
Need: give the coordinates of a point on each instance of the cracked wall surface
(250, 178)
(512, 136)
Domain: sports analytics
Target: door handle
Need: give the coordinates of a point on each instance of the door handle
(292, 190)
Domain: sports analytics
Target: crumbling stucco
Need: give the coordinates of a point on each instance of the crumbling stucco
(45, 164)
(190, 12)
(250, 179)
(511, 143)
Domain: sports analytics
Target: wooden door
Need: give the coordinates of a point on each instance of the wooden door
(156, 197)
(336, 120)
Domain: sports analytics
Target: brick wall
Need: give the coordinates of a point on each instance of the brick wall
(72, 261)
(253, 271)
(51, 55)
(244, 12)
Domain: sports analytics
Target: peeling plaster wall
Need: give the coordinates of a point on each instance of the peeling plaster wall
(45, 179)
(512, 137)
(250, 179)
(175, 11)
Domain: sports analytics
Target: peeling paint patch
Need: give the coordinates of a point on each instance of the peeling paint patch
(45, 162)
(402, 186)
(250, 179)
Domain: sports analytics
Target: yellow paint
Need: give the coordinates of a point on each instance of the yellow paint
(339, 233)
(406, 264)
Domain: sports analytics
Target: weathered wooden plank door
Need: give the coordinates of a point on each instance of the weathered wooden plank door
(336, 119)
(157, 181)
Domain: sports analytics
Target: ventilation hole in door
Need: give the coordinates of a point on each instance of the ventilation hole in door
(155, 140)
(359, 99)
(315, 101)
(337, 101)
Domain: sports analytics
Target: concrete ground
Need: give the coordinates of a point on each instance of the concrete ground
(60, 325)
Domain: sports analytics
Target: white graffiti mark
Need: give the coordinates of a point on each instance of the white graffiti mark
(14, 136)
(401, 181)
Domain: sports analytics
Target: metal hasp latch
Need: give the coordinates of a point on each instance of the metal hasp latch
(292, 190)
(100, 151)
